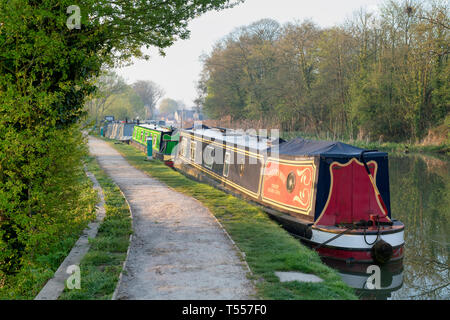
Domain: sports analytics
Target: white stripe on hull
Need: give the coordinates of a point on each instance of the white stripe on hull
(352, 241)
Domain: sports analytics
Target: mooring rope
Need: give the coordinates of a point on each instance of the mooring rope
(334, 238)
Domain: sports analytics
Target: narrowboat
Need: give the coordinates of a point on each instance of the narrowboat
(333, 196)
(164, 140)
(119, 131)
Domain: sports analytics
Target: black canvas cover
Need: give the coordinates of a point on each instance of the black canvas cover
(328, 149)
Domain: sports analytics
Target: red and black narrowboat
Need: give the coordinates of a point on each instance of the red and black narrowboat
(333, 196)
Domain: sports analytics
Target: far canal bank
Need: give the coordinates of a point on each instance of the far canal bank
(396, 147)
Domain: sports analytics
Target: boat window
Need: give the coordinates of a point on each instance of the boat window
(226, 165)
(209, 157)
(290, 182)
(193, 149)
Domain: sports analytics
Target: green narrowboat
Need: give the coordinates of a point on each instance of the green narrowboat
(164, 140)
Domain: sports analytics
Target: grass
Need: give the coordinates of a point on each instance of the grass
(267, 246)
(29, 282)
(101, 266)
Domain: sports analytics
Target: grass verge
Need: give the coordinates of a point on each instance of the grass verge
(267, 246)
(101, 266)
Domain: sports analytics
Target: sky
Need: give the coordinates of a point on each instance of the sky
(178, 72)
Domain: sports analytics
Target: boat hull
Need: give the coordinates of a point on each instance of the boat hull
(354, 246)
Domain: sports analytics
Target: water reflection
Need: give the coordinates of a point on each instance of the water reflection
(356, 276)
(420, 198)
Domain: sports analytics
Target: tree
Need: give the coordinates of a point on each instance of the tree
(46, 71)
(336, 68)
(108, 85)
(297, 74)
(376, 76)
(127, 105)
(240, 72)
(222, 88)
(168, 106)
(150, 94)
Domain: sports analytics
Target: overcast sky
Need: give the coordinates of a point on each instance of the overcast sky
(178, 72)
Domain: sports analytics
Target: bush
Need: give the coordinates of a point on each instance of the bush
(46, 200)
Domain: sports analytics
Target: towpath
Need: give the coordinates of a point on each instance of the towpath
(178, 250)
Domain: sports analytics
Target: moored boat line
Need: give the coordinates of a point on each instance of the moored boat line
(333, 196)
(163, 139)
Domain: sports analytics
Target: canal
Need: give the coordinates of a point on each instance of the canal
(420, 198)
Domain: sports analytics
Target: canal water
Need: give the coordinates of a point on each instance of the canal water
(420, 198)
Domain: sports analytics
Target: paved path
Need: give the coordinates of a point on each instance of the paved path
(178, 250)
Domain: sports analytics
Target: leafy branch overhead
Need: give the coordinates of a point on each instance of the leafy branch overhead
(158, 22)
(37, 47)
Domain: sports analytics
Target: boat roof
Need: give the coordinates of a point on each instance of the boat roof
(155, 127)
(235, 137)
(296, 147)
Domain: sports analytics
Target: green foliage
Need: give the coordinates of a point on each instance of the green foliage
(37, 232)
(40, 196)
(46, 72)
(168, 106)
(380, 77)
(109, 86)
(114, 97)
(126, 105)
